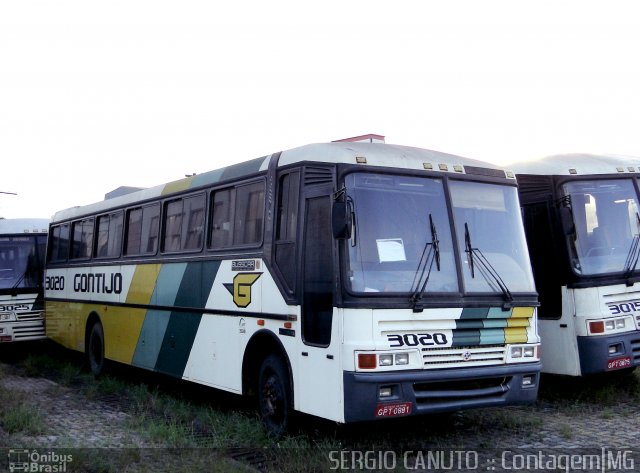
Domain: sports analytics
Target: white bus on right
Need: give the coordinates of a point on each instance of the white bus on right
(582, 222)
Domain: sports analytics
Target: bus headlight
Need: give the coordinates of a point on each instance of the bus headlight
(7, 316)
(617, 324)
(402, 358)
(523, 353)
(387, 361)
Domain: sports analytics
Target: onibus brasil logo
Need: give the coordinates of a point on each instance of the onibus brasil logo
(34, 461)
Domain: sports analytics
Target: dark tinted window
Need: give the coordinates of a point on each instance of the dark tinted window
(221, 219)
(142, 230)
(82, 241)
(184, 224)
(109, 239)
(59, 243)
(249, 214)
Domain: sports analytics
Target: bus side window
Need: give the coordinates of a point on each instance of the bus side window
(142, 230)
(221, 219)
(286, 226)
(172, 225)
(193, 223)
(109, 235)
(249, 214)
(59, 243)
(82, 241)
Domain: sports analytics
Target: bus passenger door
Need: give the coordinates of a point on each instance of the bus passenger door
(319, 370)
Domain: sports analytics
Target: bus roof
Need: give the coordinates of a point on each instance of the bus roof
(375, 154)
(579, 164)
(13, 226)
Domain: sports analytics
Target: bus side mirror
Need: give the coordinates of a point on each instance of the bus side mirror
(566, 218)
(341, 220)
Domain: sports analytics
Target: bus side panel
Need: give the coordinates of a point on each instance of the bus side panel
(62, 322)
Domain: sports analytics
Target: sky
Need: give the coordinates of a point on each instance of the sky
(97, 95)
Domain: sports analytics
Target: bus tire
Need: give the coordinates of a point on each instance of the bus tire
(95, 349)
(274, 395)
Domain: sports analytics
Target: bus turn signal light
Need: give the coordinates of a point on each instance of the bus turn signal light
(596, 327)
(367, 361)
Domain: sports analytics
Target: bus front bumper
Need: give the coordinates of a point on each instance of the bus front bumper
(22, 331)
(599, 354)
(371, 396)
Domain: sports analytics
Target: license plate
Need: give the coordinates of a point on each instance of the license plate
(619, 363)
(394, 409)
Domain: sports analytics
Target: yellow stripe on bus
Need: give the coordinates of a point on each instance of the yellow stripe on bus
(122, 326)
(522, 312)
(143, 284)
(517, 322)
(515, 335)
(177, 186)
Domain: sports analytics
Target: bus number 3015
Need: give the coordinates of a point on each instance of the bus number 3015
(413, 339)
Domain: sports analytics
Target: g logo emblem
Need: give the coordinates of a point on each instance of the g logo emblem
(241, 288)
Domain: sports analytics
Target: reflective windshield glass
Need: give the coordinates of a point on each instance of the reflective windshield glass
(393, 234)
(490, 237)
(605, 214)
(21, 260)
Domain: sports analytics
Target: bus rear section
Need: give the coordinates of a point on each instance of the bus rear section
(583, 229)
(351, 281)
(22, 257)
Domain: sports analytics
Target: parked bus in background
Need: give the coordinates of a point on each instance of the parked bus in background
(583, 230)
(22, 256)
(350, 281)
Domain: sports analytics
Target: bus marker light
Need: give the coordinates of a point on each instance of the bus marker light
(261, 322)
(5, 338)
(596, 327)
(361, 160)
(287, 325)
(367, 361)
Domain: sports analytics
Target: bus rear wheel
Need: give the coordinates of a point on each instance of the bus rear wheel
(274, 395)
(95, 349)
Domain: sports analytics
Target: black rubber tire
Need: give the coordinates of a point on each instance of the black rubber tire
(95, 349)
(274, 396)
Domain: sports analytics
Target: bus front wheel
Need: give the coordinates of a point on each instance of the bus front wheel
(95, 349)
(274, 395)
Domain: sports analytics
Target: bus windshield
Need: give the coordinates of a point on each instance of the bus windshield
(491, 238)
(21, 261)
(606, 220)
(394, 216)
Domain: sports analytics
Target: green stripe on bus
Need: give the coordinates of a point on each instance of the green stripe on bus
(182, 327)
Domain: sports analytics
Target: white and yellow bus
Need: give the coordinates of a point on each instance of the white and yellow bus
(22, 256)
(583, 228)
(350, 281)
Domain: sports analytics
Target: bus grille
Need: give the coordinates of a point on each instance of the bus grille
(635, 348)
(28, 331)
(461, 390)
(25, 316)
(463, 356)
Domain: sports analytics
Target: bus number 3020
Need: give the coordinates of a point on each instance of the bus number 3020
(415, 339)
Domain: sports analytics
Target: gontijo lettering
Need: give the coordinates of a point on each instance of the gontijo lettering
(100, 283)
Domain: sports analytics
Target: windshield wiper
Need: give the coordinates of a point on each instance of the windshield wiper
(486, 269)
(430, 254)
(633, 255)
